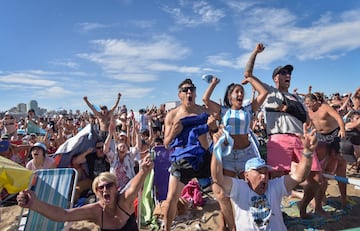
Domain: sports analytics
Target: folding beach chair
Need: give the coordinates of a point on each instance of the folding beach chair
(54, 186)
(161, 173)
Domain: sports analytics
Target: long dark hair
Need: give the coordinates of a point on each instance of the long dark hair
(228, 91)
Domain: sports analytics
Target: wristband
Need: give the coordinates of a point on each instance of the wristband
(308, 155)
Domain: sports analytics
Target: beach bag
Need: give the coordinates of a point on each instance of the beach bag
(192, 193)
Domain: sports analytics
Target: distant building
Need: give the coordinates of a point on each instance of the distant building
(21, 107)
(171, 105)
(33, 104)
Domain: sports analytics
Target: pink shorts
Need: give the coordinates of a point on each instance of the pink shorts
(284, 148)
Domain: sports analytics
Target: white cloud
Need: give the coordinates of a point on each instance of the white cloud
(328, 37)
(88, 26)
(26, 79)
(65, 63)
(139, 61)
(195, 13)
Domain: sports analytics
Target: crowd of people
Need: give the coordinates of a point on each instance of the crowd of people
(305, 134)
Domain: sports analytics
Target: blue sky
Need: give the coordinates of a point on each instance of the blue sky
(57, 52)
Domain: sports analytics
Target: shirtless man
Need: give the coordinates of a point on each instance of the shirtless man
(104, 116)
(330, 128)
(192, 159)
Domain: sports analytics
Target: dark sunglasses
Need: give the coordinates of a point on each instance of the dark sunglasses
(284, 72)
(186, 89)
(107, 186)
(99, 147)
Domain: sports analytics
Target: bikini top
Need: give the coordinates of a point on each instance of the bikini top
(237, 121)
(130, 225)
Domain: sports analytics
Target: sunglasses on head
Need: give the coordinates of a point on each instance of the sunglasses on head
(107, 186)
(284, 72)
(186, 89)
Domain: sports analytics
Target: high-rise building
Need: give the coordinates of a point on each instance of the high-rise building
(33, 104)
(21, 107)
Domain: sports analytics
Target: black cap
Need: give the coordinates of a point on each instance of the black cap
(279, 68)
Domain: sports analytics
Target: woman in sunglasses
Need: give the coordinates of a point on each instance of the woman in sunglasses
(237, 118)
(112, 211)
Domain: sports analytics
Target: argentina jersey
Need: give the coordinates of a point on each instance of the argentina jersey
(237, 121)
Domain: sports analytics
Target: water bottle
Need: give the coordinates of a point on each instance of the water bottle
(207, 78)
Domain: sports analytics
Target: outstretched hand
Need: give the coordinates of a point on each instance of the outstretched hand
(309, 139)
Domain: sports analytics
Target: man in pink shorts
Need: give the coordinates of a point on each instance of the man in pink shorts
(285, 118)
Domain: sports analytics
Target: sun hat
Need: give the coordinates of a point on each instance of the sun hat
(39, 145)
(287, 67)
(256, 163)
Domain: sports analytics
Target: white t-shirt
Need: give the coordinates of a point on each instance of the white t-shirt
(124, 171)
(258, 212)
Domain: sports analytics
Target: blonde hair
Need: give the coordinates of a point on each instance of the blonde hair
(104, 176)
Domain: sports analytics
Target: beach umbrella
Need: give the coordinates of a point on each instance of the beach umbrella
(13, 176)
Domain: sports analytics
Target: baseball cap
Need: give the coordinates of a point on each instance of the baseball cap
(279, 68)
(21, 132)
(39, 145)
(256, 163)
(4, 145)
(5, 136)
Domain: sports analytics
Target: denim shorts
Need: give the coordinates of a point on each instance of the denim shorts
(236, 160)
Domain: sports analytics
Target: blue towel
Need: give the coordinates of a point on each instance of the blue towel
(187, 145)
(220, 149)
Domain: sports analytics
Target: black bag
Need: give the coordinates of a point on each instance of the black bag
(295, 108)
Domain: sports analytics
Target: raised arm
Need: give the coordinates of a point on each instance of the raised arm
(110, 135)
(211, 105)
(137, 182)
(96, 113)
(28, 199)
(250, 64)
(303, 168)
(116, 103)
(218, 178)
(258, 86)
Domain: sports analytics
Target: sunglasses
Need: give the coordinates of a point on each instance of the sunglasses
(284, 72)
(105, 186)
(186, 89)
(99, 147)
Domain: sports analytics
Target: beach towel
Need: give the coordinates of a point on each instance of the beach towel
(293, 221)
(79, 143)
(34, 128)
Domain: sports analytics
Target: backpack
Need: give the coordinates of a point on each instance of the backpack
(193, 194)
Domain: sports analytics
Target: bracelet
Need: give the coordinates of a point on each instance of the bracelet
(308, 155)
